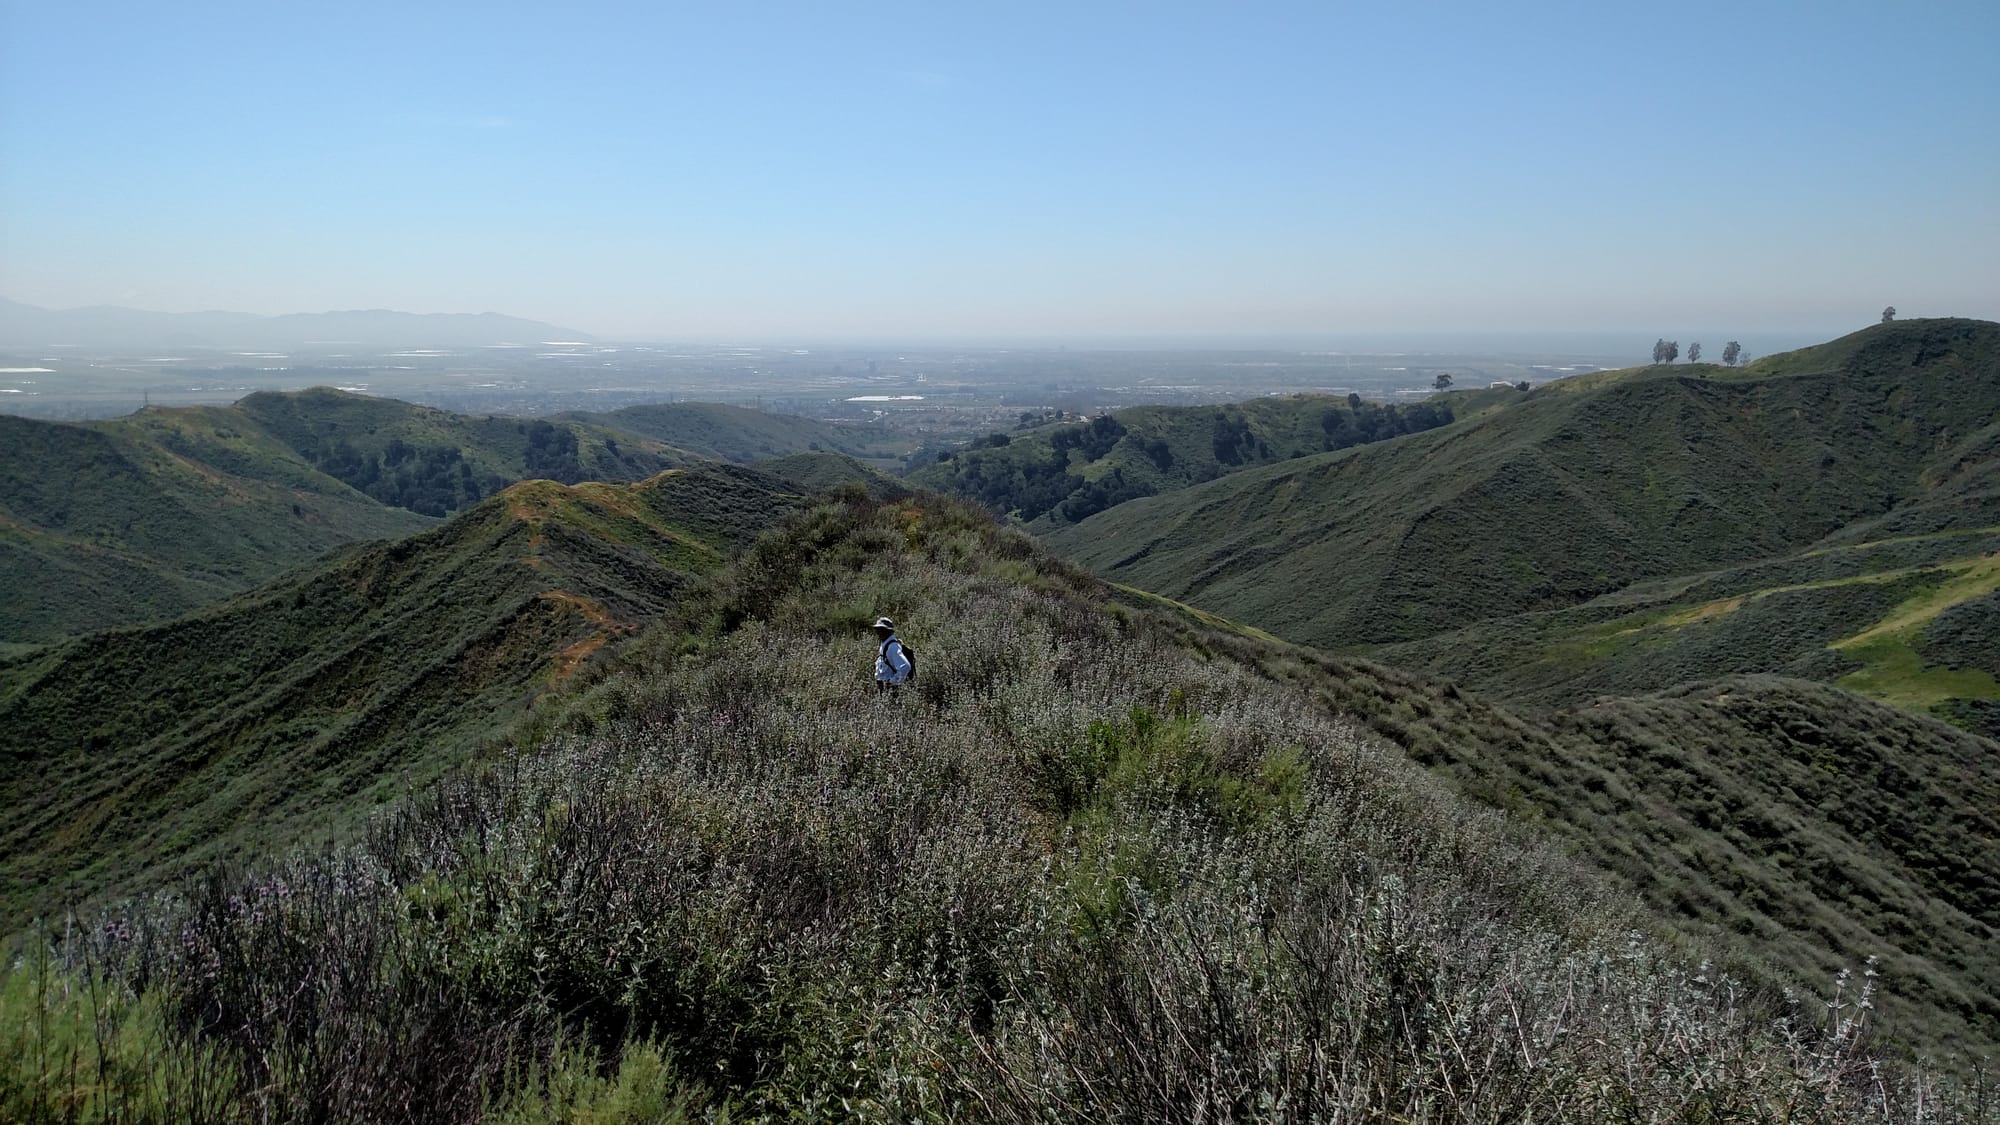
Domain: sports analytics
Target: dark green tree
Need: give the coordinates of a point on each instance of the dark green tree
(1731, 352)
(1888, 314)
(1443, 381)
(1694, 352)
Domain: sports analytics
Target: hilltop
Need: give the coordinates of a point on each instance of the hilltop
(1107, 859)
(1584, 501)
(742, 435)
(136, 753)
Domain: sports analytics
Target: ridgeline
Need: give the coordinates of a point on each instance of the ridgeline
(1108, 859)
(133, 755)
(153, 515)
(1812, 513)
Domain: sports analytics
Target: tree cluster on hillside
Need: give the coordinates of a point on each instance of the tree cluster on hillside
(431, 480)
(436, 480)
(1665, 350)
(1019, 475)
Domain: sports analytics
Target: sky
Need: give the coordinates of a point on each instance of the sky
(1010, 170)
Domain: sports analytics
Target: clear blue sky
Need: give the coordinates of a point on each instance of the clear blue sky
(999, 169)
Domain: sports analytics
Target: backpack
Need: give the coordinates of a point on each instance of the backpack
(909, 654)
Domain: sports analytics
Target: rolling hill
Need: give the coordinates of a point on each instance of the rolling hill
(135, 753)
(1475, 549)
(1060, 473)
(742, 435)
(1107, 858)
(154, 515)
(435, 461)
(1898, 619)
(151, 515)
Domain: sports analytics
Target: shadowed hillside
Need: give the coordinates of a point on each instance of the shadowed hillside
(134, 753)
(434, 461)
(1059, 474)
(156, 514)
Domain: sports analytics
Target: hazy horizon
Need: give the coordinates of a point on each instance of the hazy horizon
(1039, 174)
(1604, 342)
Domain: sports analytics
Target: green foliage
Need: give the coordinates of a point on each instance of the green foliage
(1064, 473)
(641, 1087)
(1579, 490)
(150, 516)
(78, 1044)
(1175, 761)
(436, 462)
(762, 889)
(149, 751)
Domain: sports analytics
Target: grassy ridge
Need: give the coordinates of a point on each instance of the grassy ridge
(150, 516)
(1626, 531)
(156, 514)
(147, 751)
(1101, 863)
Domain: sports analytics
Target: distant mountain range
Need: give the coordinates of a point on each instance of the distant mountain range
(108, 326)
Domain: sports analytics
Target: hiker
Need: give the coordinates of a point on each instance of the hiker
(893, 664)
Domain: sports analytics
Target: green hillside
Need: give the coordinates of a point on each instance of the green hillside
(436, 462)
(1104, 861)
(1899, 619)
(153, 515)
(742, 435)
(137, 753)
(828, 472)
(1065, 472)
(1581, 489)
